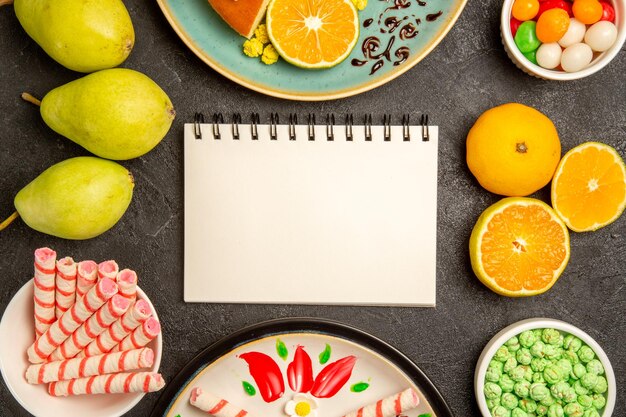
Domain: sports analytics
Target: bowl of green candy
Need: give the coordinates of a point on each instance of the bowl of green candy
(544, 367)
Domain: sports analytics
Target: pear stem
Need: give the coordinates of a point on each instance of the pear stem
(31, 99)
(9, 220)
(5, 2)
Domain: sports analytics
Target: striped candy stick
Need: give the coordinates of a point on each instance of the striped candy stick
(90, 329)
(108, 269)
(389, 407)
(108, 384)
(61, 329)
(141, 336)
(134, 317)
(93, 365)
(65, 285)
(43, 298)
(213, 405)
(86, 277)
(127, 281)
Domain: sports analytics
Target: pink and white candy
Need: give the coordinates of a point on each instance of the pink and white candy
(133, 318)
(215, 406)
(389, 407)
(45, 268)
(86, 277)
(108, 269)
(141, 336)
(61, 329)
(93, 365)
(90, 329)
(127, 281)
(65, 285)
(108, 384)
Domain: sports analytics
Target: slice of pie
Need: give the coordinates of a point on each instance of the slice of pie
(242, 15)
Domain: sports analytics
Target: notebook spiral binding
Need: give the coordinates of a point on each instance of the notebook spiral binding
(255, 120)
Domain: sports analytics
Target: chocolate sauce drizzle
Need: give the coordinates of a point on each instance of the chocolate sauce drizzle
(395, 21)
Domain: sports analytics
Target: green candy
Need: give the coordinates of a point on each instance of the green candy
(539, 391)
(598, 401)
(528, 373)
(493, 402)
(528, 405)
(526, 37)
(542, 410)
(492, 391)
(506, 383)
(509, 401)
(573, 410)
(548, 401)
(524, 357)
(553, 352)
(565, 365)
(539, 364)
(518, 412)
(585, 401)
(493, 374)
(527, 338)
(518, 373)
(573, 344)
(502, 354)
(601, 386)
(538, 348)
(552, 337)
(579, 389)
(570, 396)
(589, 380)
(538, 377)
(594, 366)
(571, 356)
(578, 371)
(555, 410)
(497, 364)
(585, 354)
(512, 344)
(509, 365)
(591, 413)
(559, 389)
(552, 374)
(522, 389)
(500, 411)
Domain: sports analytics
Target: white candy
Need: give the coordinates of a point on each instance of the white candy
(575, 33)
(576, 57)
(549, 55)
(601, 36)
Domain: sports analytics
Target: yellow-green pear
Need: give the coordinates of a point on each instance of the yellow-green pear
(115, 114)
(78, 198)
(82, 35)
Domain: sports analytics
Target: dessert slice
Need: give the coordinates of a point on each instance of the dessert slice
(242, 15)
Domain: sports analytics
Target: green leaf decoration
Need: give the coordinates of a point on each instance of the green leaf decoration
(325, 355)
(281, 349)
(248, 388)
(425, 415)
(359, 387)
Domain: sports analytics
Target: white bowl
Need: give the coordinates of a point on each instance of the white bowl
(17, 329)
(535, 70)
(539, 323)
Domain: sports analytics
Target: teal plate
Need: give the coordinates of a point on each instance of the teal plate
(418, 27)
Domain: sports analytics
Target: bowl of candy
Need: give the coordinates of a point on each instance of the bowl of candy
(563, 39)
(544, 367)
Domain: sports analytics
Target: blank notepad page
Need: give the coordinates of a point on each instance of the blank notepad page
(310, 221)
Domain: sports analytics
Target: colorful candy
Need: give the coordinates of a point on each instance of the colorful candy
(549, 55)
(525, 9)
(555, 4)
(45, 261)
(213, 405)
(552, 25)
(526, 37)
(391, 406)
(576, 57)
(86, 277)
(608, 13)
(65, 285)
(587, 11)
(108, 384)
(575, 33)
(601, 36)
(514, 25)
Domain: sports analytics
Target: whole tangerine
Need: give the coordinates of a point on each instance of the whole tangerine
(513, 150)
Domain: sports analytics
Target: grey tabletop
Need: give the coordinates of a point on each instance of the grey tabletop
(466, 74)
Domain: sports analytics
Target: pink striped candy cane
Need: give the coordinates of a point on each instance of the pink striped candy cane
(127, 281)
(65, 285)
(141, 336)
(108, 269)
(90, 329)
(94, 365)
(108, 384)
(61, 329)
(45, 259)
(134, 317)
(389, 407)
(86, 277)
(215, 406)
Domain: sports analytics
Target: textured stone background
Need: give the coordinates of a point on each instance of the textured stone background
(465, 75)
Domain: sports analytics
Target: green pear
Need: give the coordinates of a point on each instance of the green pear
(115, 114)
(78, 198)
(82, 35)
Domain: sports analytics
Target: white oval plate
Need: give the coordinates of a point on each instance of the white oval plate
(17, 330)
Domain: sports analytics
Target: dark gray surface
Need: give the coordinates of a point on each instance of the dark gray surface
(468, 73)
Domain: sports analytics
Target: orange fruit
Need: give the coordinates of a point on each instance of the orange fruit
(519, 247)
(589, 187)
(513, 150)
(552, 25)
(313, 33)
(525, 9)
(587, 11)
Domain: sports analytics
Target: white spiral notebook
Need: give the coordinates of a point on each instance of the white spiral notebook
(310, 214)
